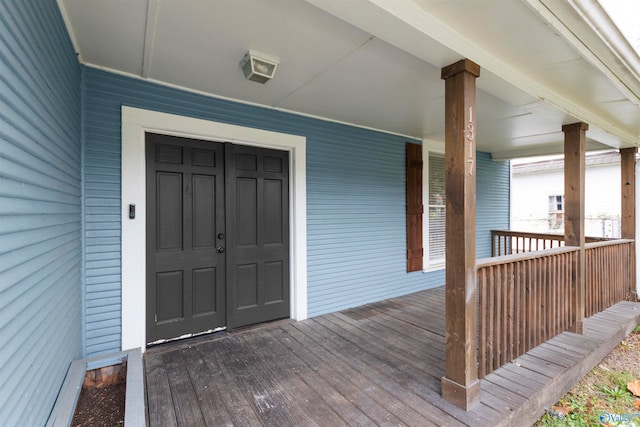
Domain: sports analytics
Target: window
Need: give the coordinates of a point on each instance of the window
(435, 222)
(556, 211)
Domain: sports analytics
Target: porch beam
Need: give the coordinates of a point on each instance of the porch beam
(460, 385)
(628, 208)
(574, 218)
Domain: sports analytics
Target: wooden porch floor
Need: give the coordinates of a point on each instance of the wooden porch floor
(379, 364)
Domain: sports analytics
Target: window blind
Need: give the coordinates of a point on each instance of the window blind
(436, 210)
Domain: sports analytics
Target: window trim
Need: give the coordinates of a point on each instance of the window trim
(428, 146)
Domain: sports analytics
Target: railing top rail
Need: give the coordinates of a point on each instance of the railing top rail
(600, 244)
(513, 233)
(546, 236)
(591, 239)
(506, 259)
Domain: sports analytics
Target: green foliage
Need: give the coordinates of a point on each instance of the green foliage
(601, 398)
(577, 418)
(606, 391)
(615, 393)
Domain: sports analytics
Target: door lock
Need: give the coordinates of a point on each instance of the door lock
(220, 249)
(220, 236)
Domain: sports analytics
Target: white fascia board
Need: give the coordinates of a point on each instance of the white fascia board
(626, 58)
(544, 150)
(586, 26)
(408, 26)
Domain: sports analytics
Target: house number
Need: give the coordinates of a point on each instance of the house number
(470, 138)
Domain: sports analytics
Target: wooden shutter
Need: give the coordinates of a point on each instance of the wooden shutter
(415, 251)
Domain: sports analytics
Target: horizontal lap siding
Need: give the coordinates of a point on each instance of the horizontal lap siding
(492, 201)
(356, 220)
(40, 209)
(102, 229)
(355, 200)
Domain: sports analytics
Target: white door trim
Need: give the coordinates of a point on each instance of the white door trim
(135, 122)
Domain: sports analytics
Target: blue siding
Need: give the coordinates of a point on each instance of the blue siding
(356, 220)
(492, 201)
(355, 200)
(40, 209)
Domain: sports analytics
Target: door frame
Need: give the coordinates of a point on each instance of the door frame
(135, 123)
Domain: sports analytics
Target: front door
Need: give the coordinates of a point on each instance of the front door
(258, 234)
(217, 236)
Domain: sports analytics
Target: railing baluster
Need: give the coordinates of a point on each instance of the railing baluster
(492, 319)
(554, 295)
(504, 332)
(481, 334)
(511, 311)
(516, 307)
(523, 306)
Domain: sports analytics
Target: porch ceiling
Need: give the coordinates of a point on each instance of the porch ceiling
(376, 63)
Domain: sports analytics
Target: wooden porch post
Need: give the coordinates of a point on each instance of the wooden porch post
(460, 385)
(628, 185)
(574, 194)
(628, 211)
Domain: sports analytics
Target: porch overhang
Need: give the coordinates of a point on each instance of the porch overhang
(376, 63)
(441, 34)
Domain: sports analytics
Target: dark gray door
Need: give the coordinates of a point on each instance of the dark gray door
(257, 235)
(185, 226)
(203, 274)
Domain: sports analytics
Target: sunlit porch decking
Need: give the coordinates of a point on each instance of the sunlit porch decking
(379, 364)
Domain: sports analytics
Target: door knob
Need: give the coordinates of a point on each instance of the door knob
(220, 249)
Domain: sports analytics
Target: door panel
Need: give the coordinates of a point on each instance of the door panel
(246, 210)
(258, 235)
(185, 215)
(273, 281)
(169, 211)
(247, 286)
(274, 203)
(204, 203)
(169, 285)
(204, 296)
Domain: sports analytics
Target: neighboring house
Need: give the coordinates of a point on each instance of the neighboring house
(104, 107)
(537, 195)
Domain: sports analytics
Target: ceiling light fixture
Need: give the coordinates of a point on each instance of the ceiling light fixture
(258, 66)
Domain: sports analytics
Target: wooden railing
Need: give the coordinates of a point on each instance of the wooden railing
(524, 297)
(523, 300)
(610, 273)
(508, 242)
